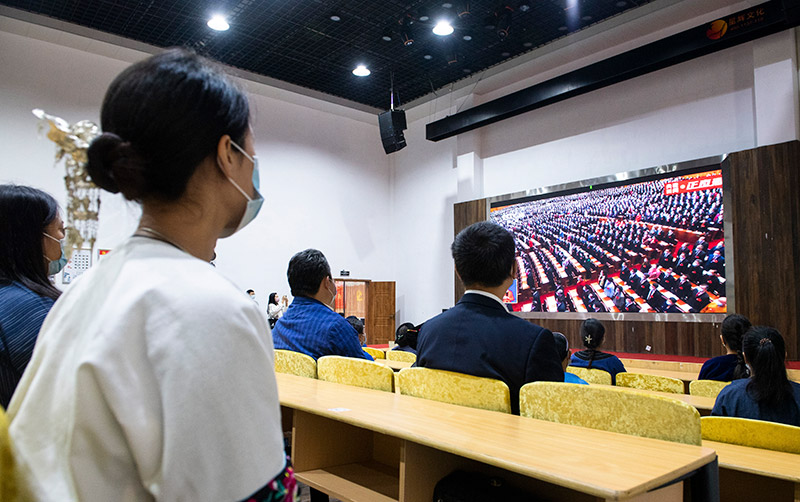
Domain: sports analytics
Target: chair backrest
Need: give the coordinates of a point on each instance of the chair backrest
(755, 433)
(650, 382)
(455, 388)
(706, 388)
(611, 409)
(375, 353)
(356, 372)
(401, 355)
(591, 375)
(8, 477)
(295, 363)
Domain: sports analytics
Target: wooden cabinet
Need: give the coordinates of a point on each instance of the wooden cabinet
(373, 301)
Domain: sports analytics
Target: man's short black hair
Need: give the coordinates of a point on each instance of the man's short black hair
(306, 271)
(484, 254)
(250, 291)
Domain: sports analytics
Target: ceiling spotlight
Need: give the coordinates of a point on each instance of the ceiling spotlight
(335, 17)
(406, 31)
(504, 21)
(218, 23)
(466, 70)
(427, 56)
(387, 35)
(361, 71)
(443, 28)
(621, 3)
(586, 18)
(467, 37)
(524, 6)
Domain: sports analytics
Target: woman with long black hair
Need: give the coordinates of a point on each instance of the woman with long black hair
(731, 366)
(153, 377)
(592, 335)
(768, 394)
(31, 231)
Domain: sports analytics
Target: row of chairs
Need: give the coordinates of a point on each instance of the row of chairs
(706, 388)
(391, 355)
(622, 410)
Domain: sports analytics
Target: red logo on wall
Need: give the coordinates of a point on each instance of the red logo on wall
(717, 29)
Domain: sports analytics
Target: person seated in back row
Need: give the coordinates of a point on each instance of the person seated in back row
(562, 347)
(406, 338)
(478, 336)
(768, 394)
(731, 366)
(310, 325)
(592, 333)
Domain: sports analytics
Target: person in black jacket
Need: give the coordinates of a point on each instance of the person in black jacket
(478, 336)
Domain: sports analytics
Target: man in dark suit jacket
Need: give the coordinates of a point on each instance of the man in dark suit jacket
(478, 336)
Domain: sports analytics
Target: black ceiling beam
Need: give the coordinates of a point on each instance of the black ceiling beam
(743, 26)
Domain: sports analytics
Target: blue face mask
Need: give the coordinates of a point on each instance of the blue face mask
(253, 204)
(55, 266)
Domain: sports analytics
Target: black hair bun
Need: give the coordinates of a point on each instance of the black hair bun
(114, 166)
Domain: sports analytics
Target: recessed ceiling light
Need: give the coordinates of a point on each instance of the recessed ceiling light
(505, 54)
(527, 44)
(467, 70)
(335, 17)
(447, 5)
(361, 71)
(428, 57)
(443, 28)
(467, 37)
(621, 4)
(587, 18)
(562, 28)
(524, 6)
(218, 23)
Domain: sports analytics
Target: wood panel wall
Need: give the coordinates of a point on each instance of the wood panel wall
(762, 188)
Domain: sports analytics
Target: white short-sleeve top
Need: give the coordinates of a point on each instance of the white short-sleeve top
(152, 379)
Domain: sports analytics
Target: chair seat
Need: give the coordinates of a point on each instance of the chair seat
(455, 388)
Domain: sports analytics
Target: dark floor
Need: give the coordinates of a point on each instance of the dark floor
(305, 497)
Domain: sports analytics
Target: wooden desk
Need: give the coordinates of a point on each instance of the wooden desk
(704, 405)
(747, 474)
(366, 445)
(395, 365)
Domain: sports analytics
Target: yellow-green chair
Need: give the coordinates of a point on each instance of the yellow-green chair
(375, 353)
(401, 355)
(754, 433)
(706, 388)
(356, 372)
(591, 375)
(612, 409)
(8, 478)
(650, 382)
(295, 363)
(455, 388)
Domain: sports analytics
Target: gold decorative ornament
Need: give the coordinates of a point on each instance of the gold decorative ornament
(83, 196)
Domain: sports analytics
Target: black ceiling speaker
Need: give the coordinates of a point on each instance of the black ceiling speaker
(392, 124)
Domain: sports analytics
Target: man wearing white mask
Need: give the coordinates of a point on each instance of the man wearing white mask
(310, 325)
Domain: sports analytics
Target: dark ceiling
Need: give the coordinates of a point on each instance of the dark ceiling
(297, 41)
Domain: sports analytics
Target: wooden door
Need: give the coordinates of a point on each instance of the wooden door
(380, 312)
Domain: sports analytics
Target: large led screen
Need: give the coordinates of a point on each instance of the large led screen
(638, 246)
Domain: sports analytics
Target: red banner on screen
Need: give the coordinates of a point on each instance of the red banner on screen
(693, 184)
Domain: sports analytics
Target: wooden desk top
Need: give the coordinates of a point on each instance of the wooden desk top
(560, 454)
(772, 464)
(703, 404)
(395, 365)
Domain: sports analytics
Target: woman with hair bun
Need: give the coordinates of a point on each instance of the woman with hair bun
(592, 335)
(31, 231)
(731, 366)
(768, 394)
(153, 378)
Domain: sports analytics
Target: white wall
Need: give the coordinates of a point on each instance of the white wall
(733, 100)
(324, 175)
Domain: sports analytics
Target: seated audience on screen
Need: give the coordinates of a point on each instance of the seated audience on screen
(768, 394)
(731, 366)
(357, 325)
(406, 337)
(562, 347)
(310, 325)
(478, 336)
(153, 378)
(592, 334)
(31, 231)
